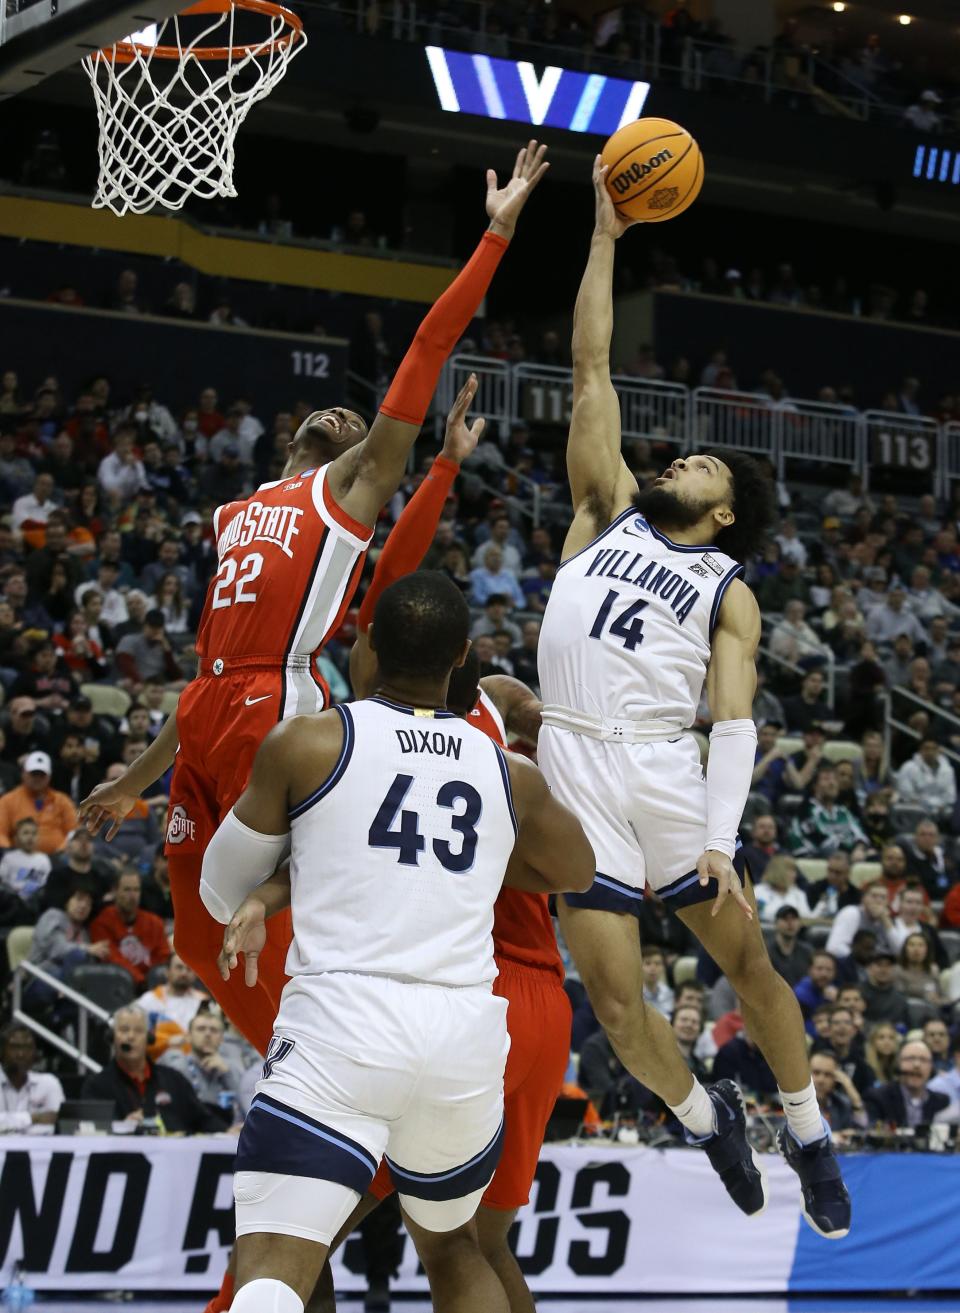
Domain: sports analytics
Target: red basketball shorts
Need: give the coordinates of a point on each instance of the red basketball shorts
(221, 722)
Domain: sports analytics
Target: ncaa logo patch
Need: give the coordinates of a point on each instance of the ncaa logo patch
(640, 525)
(699, 569)
(711, 564)
(180, 827)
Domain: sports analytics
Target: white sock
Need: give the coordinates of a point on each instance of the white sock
(696, 1112)
(266, 1296)
(803, 1114)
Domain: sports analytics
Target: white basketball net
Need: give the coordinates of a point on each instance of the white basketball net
(167, 126)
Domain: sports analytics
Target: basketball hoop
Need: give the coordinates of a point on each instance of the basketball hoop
(166, 138)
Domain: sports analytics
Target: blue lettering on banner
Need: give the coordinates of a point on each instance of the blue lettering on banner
(937, 164)
(512, 89)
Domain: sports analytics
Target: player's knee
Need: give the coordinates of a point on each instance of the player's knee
(266, 1296)
(617, 1006)
(752, 974)
(443, 1253)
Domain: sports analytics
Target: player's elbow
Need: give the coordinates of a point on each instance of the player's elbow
(577, 865)
(212, 898)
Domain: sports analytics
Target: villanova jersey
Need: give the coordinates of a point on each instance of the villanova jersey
(289, 562)
(626, 633)
(398, 857)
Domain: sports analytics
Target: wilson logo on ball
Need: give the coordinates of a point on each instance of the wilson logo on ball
(637, 170)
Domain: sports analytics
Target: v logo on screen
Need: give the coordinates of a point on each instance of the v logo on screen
(512, 89)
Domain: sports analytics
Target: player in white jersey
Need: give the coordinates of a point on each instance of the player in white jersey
(402, 820)
(648, 607)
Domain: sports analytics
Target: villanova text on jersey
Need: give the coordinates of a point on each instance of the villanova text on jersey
(632, 568)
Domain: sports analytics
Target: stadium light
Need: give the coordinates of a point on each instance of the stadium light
(904, 20)
(838, 6)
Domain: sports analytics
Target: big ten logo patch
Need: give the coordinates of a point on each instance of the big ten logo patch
(180, 827)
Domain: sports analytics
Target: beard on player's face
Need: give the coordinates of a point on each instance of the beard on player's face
(666, 510)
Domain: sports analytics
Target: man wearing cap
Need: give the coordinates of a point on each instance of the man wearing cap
(789, 957)
(803, 765)
(53, 811)
(148, 654)
(79, 719)
(922, 114)
(26, 730)
(884, 1000)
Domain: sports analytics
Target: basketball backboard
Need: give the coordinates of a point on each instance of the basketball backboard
(40, 37)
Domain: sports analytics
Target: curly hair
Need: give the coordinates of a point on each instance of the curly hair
(753, 505)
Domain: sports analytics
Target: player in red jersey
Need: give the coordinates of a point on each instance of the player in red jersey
(525, 947)
(289, 560)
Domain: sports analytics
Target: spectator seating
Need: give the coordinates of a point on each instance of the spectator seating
(106, 984)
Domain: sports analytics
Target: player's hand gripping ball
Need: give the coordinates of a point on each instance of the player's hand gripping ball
(655, 170)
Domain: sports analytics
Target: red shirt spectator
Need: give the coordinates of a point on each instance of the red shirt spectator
(137, 939)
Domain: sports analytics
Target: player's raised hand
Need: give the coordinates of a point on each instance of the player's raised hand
(718, 866)
(246, 934)
(505, 203)
(607, 221)
(460, 439)
(109, 802)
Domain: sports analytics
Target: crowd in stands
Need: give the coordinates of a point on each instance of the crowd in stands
(852, 835)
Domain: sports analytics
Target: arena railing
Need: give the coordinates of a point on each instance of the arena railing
(893, 722)
(948, 459)
(85, 1010)
(742, 420)
(820, 432)
(791, 429)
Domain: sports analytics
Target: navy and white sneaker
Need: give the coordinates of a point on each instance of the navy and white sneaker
(826, 1204)
(731, 1156)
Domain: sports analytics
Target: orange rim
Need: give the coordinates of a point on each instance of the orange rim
(125, 52)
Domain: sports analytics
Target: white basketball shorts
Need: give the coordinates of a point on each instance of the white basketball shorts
(365, 1067)
(644, 809)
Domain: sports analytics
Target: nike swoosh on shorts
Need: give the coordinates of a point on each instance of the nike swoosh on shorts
(250, 701)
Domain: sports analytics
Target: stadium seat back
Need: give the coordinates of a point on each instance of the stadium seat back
(106, 984)
(106, 700)
(863, 873)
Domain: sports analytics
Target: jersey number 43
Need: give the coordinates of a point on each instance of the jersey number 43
(406, 837)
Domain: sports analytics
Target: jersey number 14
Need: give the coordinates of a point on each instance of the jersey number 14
(625, 626)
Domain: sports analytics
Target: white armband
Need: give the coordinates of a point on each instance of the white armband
(733, 751)
(237, 861)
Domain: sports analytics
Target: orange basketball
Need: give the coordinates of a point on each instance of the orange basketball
(656, 170)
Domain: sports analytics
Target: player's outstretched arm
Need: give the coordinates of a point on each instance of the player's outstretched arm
(519, 708)
(552, 854)
(414, 531)
(600, 482)
(363, 478)
(112, 800)
(731, 687)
